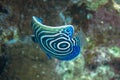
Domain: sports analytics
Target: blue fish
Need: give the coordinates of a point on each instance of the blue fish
(58, 42)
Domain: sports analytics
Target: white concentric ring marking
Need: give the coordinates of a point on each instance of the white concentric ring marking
(66, 52)
(52, 46)
(63, 42)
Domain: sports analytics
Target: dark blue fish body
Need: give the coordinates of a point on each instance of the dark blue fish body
(57, 42)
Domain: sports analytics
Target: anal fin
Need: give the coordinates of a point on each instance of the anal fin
(49, 56)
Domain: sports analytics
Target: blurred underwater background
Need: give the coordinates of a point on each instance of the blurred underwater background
(22, 59)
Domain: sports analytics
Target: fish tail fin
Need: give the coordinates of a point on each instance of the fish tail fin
(82, 38)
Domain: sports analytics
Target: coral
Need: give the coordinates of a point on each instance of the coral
(3, 61)
(72, 69)
(99, 19)
(94, 65)
(96, 57)
(115, 62)
(114, 51)
(91, 4)
(3, 13)
(117, 1)
(77, 15)
(101, 25)
(106, 16)
(100, 74)
(66, 69)
(95, 4)
(104, 26)
(26, 61)
(9, 36)
(116, 5)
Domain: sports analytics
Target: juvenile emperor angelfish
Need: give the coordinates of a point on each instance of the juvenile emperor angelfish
(58, 42)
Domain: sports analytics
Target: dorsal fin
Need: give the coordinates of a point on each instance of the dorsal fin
(38, 19)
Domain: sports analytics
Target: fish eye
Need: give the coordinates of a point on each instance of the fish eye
(67, 30)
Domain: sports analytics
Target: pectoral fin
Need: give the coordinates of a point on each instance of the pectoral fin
(34, 38)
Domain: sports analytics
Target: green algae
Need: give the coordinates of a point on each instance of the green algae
(115, 51)
(94, 5)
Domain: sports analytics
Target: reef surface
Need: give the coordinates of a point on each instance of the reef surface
(21, 59)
